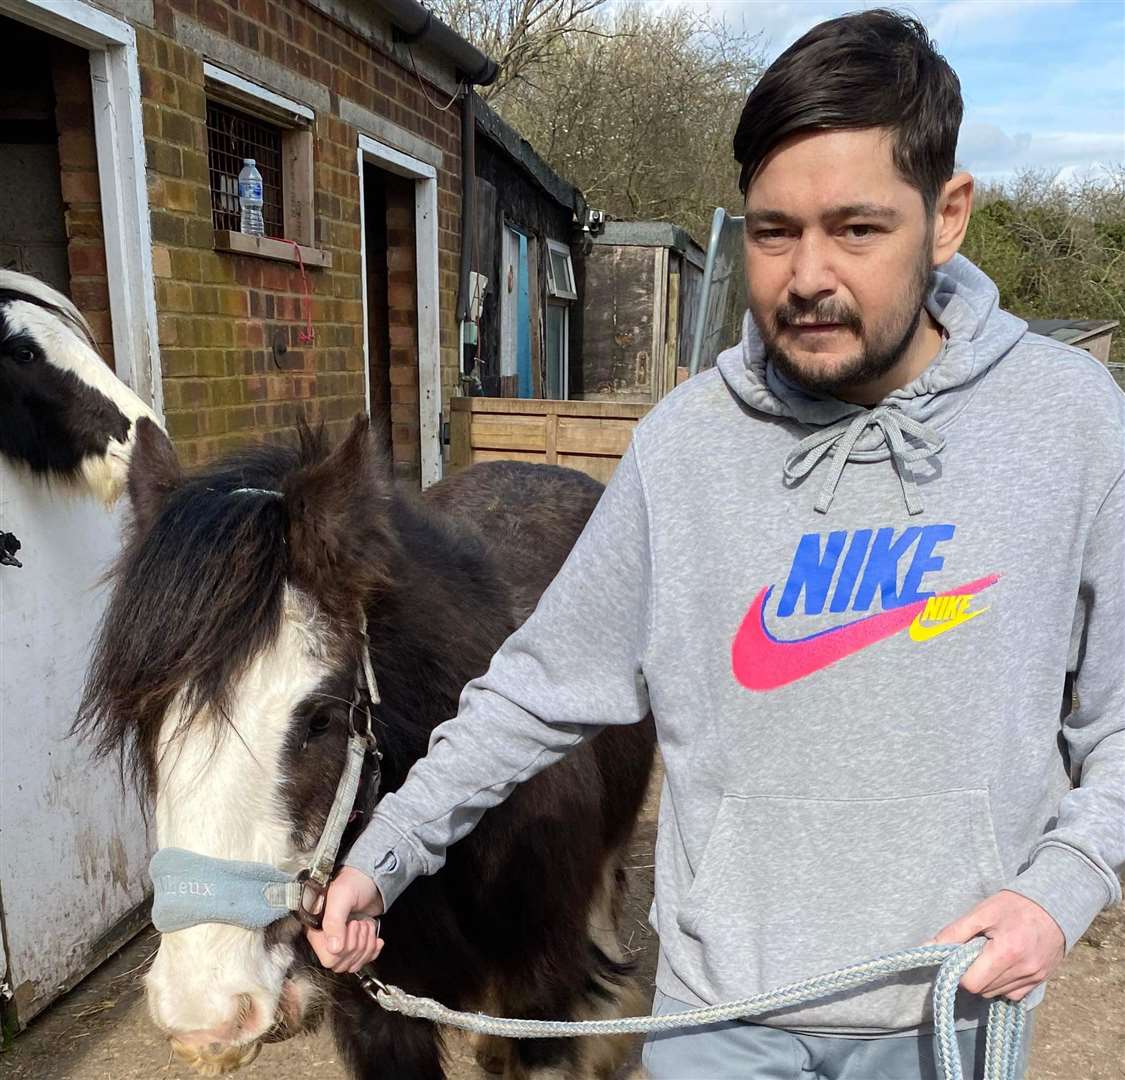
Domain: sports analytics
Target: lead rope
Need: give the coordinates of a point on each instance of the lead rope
(1003, 1036)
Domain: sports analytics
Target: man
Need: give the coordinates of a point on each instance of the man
(855, 572)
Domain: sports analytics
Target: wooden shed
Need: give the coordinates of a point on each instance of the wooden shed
(1093, 335)
(640, 285)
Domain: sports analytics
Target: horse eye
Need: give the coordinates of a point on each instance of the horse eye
(25, 355)
(318, 725)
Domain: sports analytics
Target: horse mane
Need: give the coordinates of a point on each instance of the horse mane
(198, 594)
(17, 286)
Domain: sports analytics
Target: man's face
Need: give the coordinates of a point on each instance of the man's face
(838, 256)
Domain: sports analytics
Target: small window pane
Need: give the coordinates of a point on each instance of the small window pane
(231, 137)
(560, 272)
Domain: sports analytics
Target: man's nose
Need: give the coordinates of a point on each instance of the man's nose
(813, 275)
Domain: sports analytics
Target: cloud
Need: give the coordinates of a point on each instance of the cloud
(990, 152)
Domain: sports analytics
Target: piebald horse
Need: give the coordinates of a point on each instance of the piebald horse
(63, 414)
(224, 675)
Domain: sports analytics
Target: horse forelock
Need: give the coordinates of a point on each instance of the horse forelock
(197, 597)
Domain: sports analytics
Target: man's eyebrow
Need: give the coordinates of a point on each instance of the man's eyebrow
(873, 210)
(754, 218)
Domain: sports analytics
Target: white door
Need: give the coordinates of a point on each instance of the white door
(73, 847)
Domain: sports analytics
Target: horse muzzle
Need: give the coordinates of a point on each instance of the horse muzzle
(211, 1058)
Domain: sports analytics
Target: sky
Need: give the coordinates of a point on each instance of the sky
(1043, 80)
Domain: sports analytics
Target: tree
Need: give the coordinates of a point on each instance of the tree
(640, 117)
(518, 34)
(1054, 251)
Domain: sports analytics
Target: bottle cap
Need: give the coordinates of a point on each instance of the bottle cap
(248, 161)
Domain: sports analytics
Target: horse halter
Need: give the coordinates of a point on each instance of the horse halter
(313, 880)
(190, 888)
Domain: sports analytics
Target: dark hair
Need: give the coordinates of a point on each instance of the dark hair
(870, 69)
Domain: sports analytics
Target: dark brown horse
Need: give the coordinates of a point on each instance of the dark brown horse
(223, 675)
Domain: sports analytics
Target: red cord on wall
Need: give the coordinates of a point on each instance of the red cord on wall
(306, 336)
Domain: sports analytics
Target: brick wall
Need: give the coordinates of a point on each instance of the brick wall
(78, 167)
(234, 361)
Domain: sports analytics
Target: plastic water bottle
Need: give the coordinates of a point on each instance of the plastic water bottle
(250, 199)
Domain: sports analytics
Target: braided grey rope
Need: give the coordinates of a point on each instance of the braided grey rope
(1003, 1039)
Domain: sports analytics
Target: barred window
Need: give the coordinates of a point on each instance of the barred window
(231, 137)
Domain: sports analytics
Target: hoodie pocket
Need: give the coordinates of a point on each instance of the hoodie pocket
(792, 887)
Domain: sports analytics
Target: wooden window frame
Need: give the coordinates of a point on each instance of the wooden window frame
(295, 122)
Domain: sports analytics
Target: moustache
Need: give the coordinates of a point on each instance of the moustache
(790, 314)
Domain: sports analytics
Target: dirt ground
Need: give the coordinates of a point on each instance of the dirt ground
(101, 1031)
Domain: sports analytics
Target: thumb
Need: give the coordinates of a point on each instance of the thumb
(338, 905)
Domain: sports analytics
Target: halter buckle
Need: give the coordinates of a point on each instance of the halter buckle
(310, 906)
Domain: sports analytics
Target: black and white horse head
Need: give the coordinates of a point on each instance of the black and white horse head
(63, 413)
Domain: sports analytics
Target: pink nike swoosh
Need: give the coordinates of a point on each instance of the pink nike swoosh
(762, 662)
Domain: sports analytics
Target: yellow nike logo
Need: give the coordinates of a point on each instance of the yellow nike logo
(943, 613)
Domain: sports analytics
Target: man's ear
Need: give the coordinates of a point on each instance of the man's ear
(951, 216)
(154, 473)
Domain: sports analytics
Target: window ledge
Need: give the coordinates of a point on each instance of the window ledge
(266, 247)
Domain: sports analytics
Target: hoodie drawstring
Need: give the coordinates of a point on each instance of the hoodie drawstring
(840, 440)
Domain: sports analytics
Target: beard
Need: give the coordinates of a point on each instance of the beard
(881, 346)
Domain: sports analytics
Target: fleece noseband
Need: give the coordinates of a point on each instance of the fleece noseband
(189, 888)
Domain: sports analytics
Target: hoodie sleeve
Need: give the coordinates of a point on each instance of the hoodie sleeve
(1074, 868)
(573, 667)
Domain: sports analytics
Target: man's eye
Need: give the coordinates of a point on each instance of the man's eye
(769, 234)
(860, 232)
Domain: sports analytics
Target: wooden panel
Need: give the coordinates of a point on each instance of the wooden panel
(617, 330)
(600, 468)
(589, 436)
(659, 320)
(509, 432)
(672, 326)
(609, 409)
(460, 442)
(581, 435)
(300, 186)
(507, 455)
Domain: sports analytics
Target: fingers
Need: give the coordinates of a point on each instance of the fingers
(364, 944)
(359, 945)
(960, 930)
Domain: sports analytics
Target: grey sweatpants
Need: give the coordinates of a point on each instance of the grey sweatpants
(738, 1050)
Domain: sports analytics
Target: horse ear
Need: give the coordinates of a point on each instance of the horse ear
(337, 518)
(154, 473)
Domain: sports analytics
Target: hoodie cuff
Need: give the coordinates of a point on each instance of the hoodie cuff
(1067, 887)
(386, 856)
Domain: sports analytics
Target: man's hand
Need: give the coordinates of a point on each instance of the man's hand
(1025, 945)
(350, 937)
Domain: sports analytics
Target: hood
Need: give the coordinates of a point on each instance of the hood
(906, 424)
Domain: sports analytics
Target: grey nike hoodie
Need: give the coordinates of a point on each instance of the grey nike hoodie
(858, 631)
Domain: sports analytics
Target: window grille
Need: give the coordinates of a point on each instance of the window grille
(231, 137)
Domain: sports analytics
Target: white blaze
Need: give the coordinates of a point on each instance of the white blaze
(222, 796)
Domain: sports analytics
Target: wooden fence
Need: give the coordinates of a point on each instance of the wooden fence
(586, 435)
